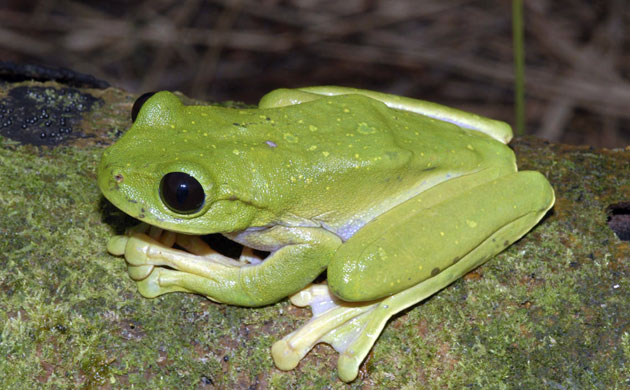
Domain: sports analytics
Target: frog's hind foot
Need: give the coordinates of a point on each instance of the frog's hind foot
(350, 328)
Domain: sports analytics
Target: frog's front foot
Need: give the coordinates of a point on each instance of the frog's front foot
(350, 328)
(161, 261)
(159, 268)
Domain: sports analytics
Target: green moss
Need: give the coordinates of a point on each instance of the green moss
(550, 312)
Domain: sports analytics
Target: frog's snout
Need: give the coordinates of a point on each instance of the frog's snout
(109, 177)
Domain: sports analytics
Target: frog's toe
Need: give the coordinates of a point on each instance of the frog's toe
(139, 272)
(284, 356)
(150, 286)
(157, 283)
(137, 248)
(347, 367)
(117, 244)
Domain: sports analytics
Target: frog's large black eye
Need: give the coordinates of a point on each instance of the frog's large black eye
(137, 105)
(181, 193)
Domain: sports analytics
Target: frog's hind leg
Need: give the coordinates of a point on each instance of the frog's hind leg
(498, 130)
(513, 204)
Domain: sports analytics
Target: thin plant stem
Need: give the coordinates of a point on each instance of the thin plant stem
(519, 65)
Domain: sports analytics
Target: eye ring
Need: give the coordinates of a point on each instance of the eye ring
(181, 193)
(137, 105)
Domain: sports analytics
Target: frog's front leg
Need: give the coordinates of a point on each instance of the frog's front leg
(298, 255)
(407, 255)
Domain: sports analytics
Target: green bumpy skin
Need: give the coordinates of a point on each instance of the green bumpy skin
(395, 197)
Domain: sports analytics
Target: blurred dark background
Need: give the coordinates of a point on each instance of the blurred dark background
(455, 52)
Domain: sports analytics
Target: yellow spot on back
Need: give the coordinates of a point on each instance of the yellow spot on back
(470, 223)
(326, 154)
(236, 152)
(364, 128)
(312, 128)
(290, 138)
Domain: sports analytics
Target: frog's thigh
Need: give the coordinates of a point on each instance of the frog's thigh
(410, 244)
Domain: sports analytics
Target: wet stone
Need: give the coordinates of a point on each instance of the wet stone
(44, 115)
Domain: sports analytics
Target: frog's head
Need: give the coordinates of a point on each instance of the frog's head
(162, 172)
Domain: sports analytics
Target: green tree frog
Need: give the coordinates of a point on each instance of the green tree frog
(395, 198)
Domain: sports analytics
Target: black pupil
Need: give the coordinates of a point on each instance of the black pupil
(181, 192)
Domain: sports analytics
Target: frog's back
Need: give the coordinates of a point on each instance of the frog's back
(340, 161)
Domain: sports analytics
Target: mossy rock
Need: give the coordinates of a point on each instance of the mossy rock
(549, 312)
